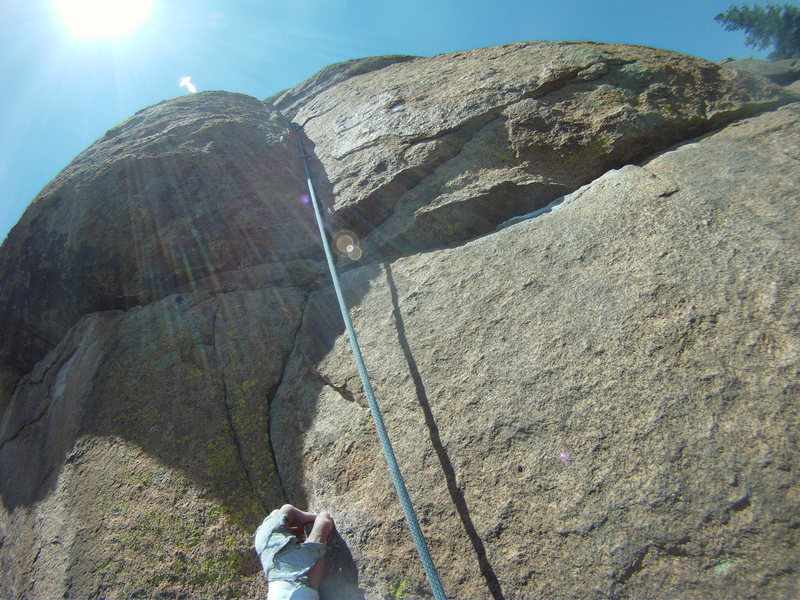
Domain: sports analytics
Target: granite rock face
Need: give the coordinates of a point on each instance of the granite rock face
(782, 72)
(601, 402)
(432, 152)
(292, 99)
(182, 191)
(597, 402)
(144, 434)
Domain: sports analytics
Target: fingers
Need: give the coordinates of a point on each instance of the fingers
(295, 516)
(297, 530)
(323, 525)
(296, 519)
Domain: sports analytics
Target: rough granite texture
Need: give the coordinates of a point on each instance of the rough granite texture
(782, 72)
(433, 152)
(145, 434)
(184, 190)
(597, 402)
(294, 98)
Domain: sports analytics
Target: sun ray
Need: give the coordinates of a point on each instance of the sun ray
(110, 19)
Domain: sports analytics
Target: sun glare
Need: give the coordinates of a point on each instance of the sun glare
(93, 19)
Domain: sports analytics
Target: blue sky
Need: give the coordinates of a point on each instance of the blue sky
(59, 93)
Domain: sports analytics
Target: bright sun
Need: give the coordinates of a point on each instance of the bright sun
(103, 18)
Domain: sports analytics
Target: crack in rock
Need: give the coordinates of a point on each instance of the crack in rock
(25, 424)
(54, 393)
(634, 566)
(227, 407)
(285, 374)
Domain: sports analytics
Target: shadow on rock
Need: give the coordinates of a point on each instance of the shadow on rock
(341, 574)
(456, 495)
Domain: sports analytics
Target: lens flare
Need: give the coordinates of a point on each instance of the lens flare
(346, 243)
(305, 199)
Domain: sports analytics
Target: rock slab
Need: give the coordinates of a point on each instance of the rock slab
(600, 402)
(429, 153)
(135, 458)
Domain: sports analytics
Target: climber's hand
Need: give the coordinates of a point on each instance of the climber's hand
(296, 519)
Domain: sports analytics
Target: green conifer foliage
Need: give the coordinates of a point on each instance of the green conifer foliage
(770, 25)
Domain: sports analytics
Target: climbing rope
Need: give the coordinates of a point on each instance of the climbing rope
(383, 436)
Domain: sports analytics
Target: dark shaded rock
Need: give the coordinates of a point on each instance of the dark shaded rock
(8, 379)
(304, 274)
(782, 72)
(601, 402)
(184, 190)
(137, 455)
(433, 152)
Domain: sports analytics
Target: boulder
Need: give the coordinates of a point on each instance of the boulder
(292, 99)
(183, 191)
(433, 152)
(598, 402)
(794, 88)
(782, 72)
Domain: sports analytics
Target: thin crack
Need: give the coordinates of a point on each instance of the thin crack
(281, 381)
(38, 417)
(448, 470)
(633, 567)
(226, 406)
(312, 117)
(54, 366)
(365, 146)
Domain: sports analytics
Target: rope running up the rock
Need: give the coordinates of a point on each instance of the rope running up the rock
(383, 436)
